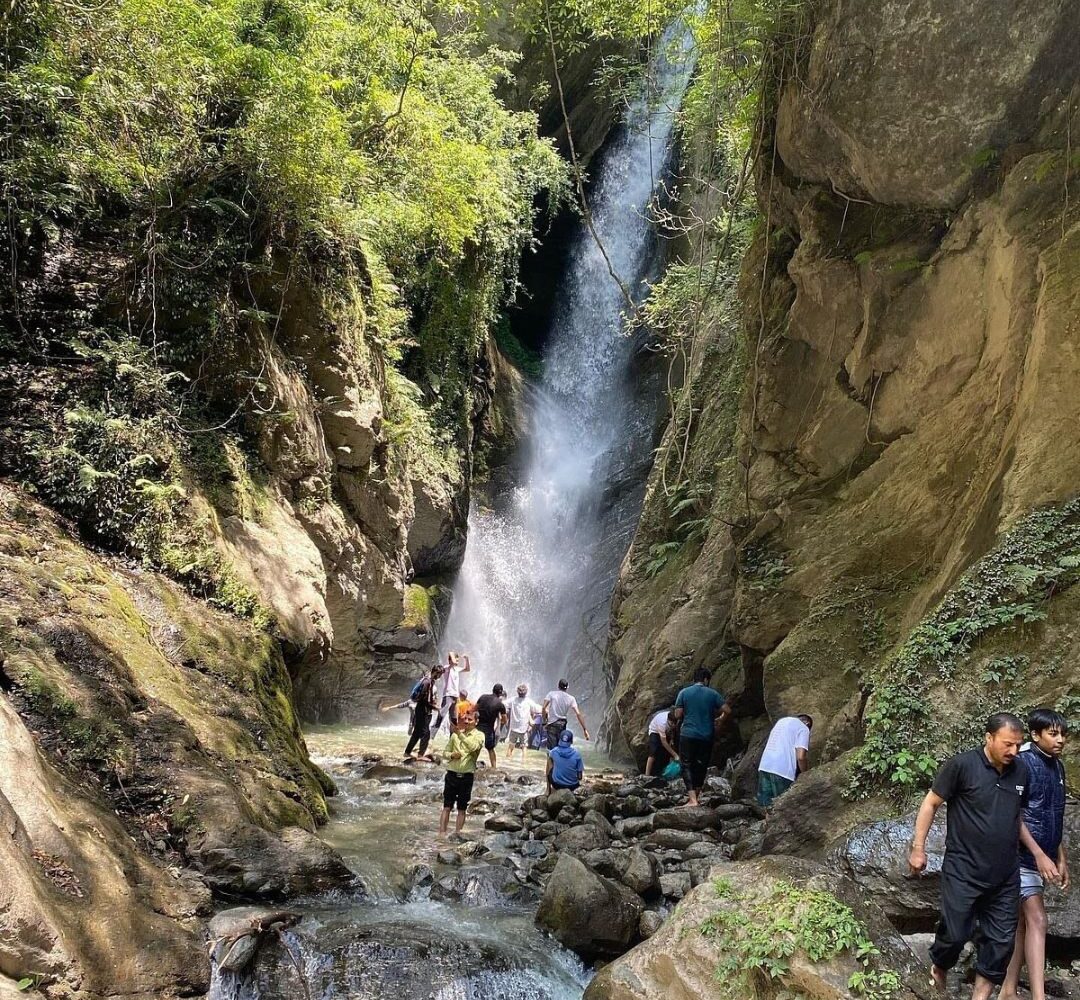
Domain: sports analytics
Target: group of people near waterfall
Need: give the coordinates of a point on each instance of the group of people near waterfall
(1004, 841)
(1004, 838)
(483, 724)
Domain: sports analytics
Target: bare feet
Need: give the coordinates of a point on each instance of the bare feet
(937, 978)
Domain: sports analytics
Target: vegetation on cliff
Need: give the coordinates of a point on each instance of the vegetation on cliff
(176, 174)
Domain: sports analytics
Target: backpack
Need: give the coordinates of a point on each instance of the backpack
(418, 687)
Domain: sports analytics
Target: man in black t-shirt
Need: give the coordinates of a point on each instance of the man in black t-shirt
(491, 712)
(980, 877)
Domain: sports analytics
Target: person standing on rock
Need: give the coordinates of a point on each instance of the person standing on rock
(700, 710)
(556, 710)
(565, 768)
(491, 714)
(425, 700)
(661, 749)
(785, 757)
(451, 691)
(1044, 816)
(522, 710)
(466, 742)
(986, 790)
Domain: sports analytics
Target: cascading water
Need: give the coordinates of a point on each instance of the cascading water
(530, 603)
(532, 599)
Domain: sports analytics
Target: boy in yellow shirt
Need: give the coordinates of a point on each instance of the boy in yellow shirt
(466, 742)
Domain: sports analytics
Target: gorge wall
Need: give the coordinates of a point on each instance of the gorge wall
(882, 425)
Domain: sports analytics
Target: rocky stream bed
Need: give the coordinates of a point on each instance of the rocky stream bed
(545, 897)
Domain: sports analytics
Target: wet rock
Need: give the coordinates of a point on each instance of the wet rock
(603, 804)
(448, 857)
(718, 785)
(545, 831)
(580, 840)
(391, 774)
(501, 843)
(750, 846)
(634, 826)
(535, 849)
(546, 865)
(419, 876)
(526, 779)
(597, 819)
(738, 810)
(503, 823)
(481, 885)
(679, 961)
(236, 934)
(642, 873)
(250, 861)
(875, 855)
(592, 915)
(566, 816)
(561, 798)
(706, 849)
(688, 818)
(634, 805)
(607, 861)
(678, 840)
(483, 807)
(675, 885)
(650, 923)
(699, 870)
(628, 790)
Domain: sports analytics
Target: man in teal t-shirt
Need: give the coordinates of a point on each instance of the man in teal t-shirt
(701, 709)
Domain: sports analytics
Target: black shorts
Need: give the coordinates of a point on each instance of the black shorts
(457, 790)
(490, 738)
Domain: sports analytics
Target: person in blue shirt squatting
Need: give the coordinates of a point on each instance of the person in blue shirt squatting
(565, 767)
(1044, 816)
(701, 710)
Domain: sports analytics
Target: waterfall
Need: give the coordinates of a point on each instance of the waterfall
(532, 599)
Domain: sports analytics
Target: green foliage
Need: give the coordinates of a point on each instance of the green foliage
(524, 359)
(688, 522)
(1006, 590)
(762, 566)
(757, 937)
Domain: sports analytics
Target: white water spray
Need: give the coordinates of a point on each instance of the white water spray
(532, 598)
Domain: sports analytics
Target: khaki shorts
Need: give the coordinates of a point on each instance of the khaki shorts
(519, 739)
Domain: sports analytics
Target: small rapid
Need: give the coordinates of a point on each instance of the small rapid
(419, 929)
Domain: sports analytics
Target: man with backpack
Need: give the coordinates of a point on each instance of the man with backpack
(424, 700)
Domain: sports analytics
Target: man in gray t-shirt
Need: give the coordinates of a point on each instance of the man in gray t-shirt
(557, 708)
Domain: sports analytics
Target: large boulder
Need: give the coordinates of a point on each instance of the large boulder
(874, 855)
(898, 108)
(785, 902)
(582, 839)
(592, 915)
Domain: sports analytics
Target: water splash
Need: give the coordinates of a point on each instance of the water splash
(531, 602)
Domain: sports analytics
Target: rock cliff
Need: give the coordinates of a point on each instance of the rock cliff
(880, 440)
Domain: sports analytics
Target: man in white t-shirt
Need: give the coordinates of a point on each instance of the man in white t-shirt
(785, 757)
(451, 690)
(522, 711)
(660, 749)
(557, 707)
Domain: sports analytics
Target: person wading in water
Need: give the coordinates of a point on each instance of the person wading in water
(425, 698)
(557, 707)
(466, 742)
(491, 714)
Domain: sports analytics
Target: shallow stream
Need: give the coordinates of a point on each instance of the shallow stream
(404, 936)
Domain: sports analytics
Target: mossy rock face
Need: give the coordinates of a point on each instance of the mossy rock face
(177, 715)
(763, 928)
